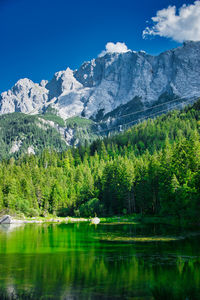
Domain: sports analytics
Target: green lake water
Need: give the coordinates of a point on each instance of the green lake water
(70, 261)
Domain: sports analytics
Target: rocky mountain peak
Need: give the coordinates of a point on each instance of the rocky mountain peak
(62, 82)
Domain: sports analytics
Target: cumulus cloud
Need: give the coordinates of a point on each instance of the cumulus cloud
(114, 48)
(181, 26)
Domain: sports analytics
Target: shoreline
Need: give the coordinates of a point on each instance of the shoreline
(7, 219)
(114, 220)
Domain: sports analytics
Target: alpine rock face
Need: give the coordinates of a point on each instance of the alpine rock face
(110, 82)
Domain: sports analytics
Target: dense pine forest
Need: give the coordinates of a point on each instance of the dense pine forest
(152, 168)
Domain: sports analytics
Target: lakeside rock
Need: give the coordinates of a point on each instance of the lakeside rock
(6, 220)
(95, 220)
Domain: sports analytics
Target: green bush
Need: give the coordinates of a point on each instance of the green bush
(91, 207)
(33, 212)
(65, 212)
(23, 206)
(77, 213)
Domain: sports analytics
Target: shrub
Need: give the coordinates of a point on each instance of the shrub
(91, 207)
(77, 213)
(33, 212)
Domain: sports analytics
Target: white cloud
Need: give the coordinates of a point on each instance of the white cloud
(114, 48)
(180, 27)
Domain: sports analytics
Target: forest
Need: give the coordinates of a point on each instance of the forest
(153, 168)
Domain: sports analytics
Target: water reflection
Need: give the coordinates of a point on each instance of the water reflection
(9, 227)
(71, 261)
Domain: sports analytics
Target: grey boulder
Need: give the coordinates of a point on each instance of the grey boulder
(6, 220)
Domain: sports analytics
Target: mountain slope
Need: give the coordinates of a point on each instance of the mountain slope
(20, 133)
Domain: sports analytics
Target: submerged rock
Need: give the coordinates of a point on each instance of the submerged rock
(6, 220)
(95, 220)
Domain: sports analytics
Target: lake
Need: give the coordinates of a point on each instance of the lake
(73, 261)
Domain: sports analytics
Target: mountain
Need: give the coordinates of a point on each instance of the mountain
(107, 82)
(109, 87)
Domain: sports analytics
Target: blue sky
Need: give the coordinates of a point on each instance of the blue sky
(40, 37)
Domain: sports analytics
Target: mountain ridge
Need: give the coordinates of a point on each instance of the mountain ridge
(102, 85)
